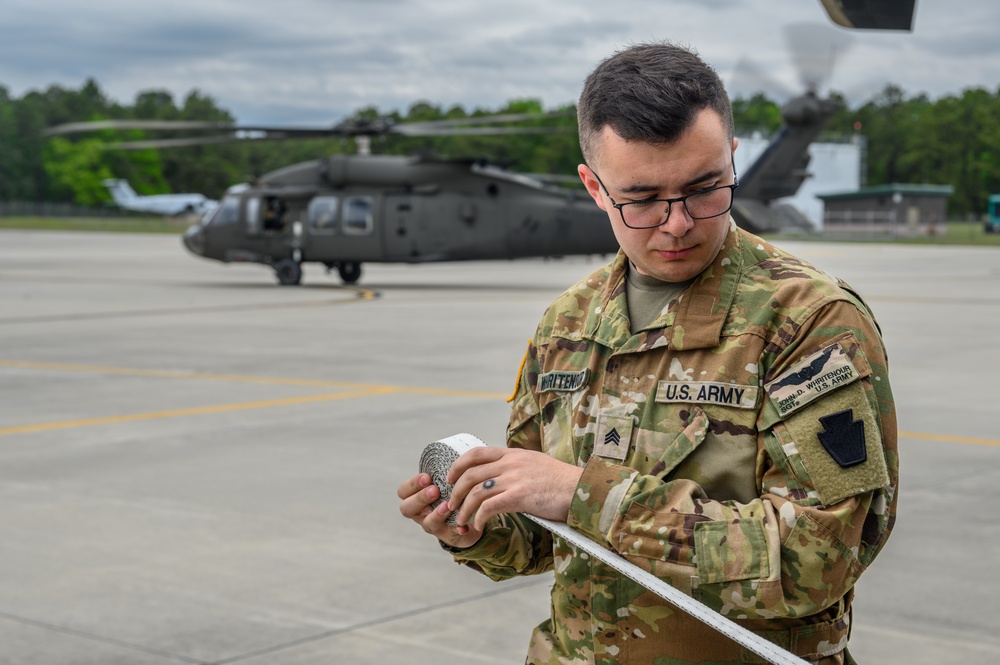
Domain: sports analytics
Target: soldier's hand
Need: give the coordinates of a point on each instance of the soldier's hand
(416, 496)
(491, 481)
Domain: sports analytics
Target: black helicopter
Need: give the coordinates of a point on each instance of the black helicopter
(344, 210)
(348, 209)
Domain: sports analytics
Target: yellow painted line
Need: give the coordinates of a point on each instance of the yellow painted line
(237, 378)
(355, 295)
(446, 392)
(950, 439)
(360, 390)
(196, 411)
(173, 374)
(354, 390)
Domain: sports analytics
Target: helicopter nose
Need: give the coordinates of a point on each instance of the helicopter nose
(194, 240)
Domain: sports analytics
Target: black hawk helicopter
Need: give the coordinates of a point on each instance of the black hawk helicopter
(348, 209)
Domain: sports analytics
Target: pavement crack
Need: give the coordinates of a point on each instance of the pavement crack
(102, 639)
(507, 588)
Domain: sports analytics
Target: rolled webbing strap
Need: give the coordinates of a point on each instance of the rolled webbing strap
(438, 457)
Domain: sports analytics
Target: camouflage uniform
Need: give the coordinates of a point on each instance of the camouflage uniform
(742, 448)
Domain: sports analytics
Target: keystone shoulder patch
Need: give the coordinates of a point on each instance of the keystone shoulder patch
(563, 381)
(827, 369)
(844, 438)
(707, 392)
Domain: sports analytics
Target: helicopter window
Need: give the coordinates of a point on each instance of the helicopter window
(253, 215)
(228, 212)
(323, 213)
(358, 215)
(274, 213)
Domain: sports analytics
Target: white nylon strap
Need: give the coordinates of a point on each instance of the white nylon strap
(755, 643)
(438, 457)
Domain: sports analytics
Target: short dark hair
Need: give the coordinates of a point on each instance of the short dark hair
(649, 92)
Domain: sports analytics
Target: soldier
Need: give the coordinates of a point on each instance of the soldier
(710, 407)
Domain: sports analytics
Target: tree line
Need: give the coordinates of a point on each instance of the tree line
(953, 140)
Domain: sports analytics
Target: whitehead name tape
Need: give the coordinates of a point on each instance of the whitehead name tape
(438, 457)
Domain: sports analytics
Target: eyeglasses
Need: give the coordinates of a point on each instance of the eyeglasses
(703, 204)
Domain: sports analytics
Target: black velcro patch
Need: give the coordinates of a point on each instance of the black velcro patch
(844, 438)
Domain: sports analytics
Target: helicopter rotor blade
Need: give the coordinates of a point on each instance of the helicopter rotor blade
(347, 128)
(181, 142)
(488, 119)
(815, 49)
(478, 131)
(194, 126)
(151, 125)
(748, 78)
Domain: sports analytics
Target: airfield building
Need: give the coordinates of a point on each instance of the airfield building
(896, 210)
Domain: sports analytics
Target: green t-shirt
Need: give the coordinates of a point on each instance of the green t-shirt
(648, 297)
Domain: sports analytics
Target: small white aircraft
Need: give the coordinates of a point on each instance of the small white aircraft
(163, 204)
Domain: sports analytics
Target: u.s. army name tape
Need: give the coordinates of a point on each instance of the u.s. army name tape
(438, 457)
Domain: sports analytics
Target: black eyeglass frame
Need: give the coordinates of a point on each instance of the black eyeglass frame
(669, 202)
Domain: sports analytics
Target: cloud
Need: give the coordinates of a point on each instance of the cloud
(314, 61)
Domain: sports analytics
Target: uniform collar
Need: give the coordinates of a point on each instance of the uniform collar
(701, 312)
(704, 307)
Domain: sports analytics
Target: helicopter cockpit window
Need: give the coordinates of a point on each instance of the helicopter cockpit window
(274, 213)
(323, 214)
(228, 212)
(358, 215)
(253, 215)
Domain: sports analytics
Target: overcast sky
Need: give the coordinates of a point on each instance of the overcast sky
(311, 62)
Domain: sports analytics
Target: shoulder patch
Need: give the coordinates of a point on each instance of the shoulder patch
(843, 437)
(837, 440)
(811, 378)
(520, 371)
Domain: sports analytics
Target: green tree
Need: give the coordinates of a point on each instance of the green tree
(78, 168)
(756, 114)
(974, 131)
(954, 140)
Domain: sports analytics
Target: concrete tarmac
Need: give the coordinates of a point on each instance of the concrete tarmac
(199, 466)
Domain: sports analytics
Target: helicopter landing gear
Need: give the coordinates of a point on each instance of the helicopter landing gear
(349, 271)
(288, 271)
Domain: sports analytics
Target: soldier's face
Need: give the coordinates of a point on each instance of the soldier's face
(701, 158)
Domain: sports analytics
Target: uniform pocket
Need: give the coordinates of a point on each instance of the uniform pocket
(686, 441)
(730, 550)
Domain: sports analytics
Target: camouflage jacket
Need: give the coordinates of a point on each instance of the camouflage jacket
(742, 448)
